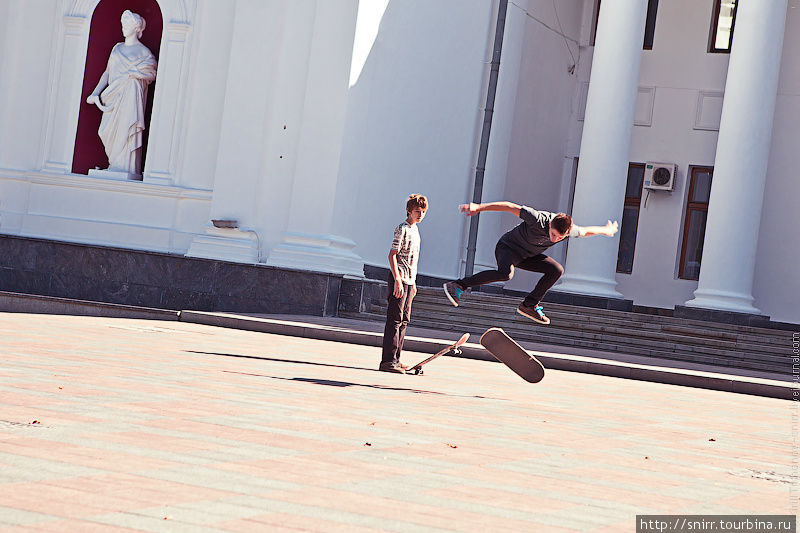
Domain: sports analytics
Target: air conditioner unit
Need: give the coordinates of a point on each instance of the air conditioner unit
(659, 176)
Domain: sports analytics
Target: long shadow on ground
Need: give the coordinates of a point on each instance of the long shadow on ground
(331, 383)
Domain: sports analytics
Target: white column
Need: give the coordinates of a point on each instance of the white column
(308, 242)
(740, 167)
(239, 173)
(605, 146)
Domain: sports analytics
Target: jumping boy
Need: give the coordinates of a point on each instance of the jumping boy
(522, 247)
(403, 257)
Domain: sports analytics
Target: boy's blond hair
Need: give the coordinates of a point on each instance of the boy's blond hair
(416, 200)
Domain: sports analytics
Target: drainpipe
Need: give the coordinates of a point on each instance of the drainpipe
(480, 168)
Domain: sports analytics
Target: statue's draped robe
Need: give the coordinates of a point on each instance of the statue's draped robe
(124, 100)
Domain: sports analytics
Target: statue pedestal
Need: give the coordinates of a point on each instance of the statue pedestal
(113, 175)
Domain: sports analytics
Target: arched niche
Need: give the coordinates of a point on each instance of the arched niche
(104, 33)
(65, 95)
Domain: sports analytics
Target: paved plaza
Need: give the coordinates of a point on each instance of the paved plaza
(141, 425)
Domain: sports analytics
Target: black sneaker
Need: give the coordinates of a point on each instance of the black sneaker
(534, 313)
(453, 292)
(391, 366)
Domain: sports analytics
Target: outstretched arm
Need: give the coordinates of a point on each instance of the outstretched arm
(473, 209)
(609, 230)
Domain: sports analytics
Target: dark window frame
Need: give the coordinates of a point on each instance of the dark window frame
(650, 23)
(632, 201)
(712, 41)
(692, 206)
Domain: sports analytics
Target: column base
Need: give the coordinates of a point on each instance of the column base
(318, 253)
(723, 301)
(590, 286)
(226, 244)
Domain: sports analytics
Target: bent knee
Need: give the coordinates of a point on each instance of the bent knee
(506, 273)
(555, 270)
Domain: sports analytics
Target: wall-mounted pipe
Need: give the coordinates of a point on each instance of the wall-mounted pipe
(480, 168)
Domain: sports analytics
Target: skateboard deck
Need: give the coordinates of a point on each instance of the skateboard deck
(507, 351)
(453, 348)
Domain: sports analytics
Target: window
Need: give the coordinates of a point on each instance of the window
(630, 218)
(649, 27)
(722, 23)
(694, 226)
(650, 24)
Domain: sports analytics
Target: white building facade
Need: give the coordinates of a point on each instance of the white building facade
(302, 126)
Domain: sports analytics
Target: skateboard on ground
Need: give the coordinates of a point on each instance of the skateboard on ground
(504, 348)
(453, 349)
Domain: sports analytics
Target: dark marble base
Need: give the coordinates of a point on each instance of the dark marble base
(163, 281)
(166, 281)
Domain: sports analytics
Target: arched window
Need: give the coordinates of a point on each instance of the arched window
(104, 33)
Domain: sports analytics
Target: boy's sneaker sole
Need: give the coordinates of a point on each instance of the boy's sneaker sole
(447, 293)
(533, 316)
(392, 369)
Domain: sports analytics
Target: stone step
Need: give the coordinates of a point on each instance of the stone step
(488, 299)
(600, 337)
(585, 326)
(561, 313)
(616, 344)
(609, 333)
(526, 334)
(725, 345)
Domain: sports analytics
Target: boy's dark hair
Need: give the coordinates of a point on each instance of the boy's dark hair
(415, 201)
(562, 223)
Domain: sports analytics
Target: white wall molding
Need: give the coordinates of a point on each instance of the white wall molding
(645, 101)
(709, 110)
(108, 185)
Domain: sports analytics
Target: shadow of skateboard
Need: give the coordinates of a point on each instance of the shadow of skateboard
(453, 349)
(507, 351)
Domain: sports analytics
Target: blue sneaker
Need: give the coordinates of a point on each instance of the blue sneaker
(453, 292)
(534, 313)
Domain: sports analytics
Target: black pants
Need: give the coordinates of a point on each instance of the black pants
(506, 261)
(398, 314)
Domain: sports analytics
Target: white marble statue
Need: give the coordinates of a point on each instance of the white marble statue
(121, 94)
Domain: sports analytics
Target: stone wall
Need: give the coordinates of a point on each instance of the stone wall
(165, 281)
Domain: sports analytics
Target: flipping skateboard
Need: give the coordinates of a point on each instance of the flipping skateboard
(507, 351)
(453, 349)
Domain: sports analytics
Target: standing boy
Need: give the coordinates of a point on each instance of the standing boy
(522, 247)
(403, 257)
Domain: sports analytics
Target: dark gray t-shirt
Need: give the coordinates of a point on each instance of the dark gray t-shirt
(532, 236)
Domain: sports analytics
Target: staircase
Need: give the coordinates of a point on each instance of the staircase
(709, 343)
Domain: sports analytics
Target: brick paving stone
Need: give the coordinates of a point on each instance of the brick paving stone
(225, 430)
